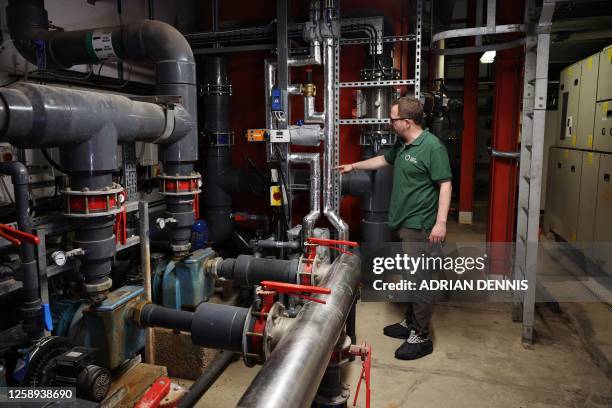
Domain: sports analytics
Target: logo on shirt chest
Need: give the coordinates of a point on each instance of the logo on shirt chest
(410, 158)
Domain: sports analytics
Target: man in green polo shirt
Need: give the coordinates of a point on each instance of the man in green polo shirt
(419, 205)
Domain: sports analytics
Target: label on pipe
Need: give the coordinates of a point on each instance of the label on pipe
(102, 44)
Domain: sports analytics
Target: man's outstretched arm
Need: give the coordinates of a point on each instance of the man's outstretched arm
(370, 164)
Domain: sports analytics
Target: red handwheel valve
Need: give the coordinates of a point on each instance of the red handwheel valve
(365, 352)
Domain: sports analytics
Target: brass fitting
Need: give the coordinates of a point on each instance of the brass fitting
(309, 90)
(136, 312)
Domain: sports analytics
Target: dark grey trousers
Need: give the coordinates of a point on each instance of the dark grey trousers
(418, 313)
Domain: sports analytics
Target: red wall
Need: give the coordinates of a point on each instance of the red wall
(246, 72)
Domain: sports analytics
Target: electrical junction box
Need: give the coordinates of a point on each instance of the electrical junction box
(276, 196)
(280, 136)
(257, 135)
(276, 100)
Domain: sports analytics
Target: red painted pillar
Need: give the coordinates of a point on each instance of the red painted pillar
(504, 172)
(470, 122)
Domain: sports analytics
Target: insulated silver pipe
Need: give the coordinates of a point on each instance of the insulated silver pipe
(311, 218)
(313, 59)
(330, 149)
(294, 89)
(292, 374)
(270, 72)
(310, 114)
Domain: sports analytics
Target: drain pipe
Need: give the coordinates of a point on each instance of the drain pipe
(221, 180)
(212, 371)
(31, 306)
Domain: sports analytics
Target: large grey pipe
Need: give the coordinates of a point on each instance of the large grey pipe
(34, 116)
(212, 325)
(30, 310)
(146, 40)
(291, 375)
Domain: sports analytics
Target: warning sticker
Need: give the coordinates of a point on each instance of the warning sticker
(102, 44)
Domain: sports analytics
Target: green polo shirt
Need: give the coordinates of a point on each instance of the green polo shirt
(418, 168)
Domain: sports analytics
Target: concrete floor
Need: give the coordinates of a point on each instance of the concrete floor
(478, 359)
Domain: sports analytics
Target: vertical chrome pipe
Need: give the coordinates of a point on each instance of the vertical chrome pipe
(330, 149)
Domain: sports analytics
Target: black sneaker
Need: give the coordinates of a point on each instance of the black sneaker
(397, 331)
(415, 346)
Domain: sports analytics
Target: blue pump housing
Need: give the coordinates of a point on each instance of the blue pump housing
(183, 284)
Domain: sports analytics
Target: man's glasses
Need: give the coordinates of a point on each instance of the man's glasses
(392, 120)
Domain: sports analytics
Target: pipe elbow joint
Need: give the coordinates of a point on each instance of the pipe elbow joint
(156, 41)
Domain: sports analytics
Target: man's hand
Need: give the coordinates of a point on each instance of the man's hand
(438, 233)
(345, 168)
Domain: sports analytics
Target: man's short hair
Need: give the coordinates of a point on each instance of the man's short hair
(410, 108)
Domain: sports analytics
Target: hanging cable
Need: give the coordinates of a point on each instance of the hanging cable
(51, 161)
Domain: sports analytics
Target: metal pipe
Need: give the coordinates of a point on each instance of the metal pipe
(271, 244)
(313, 160)
(145, 270)
(291, 375)
(330, 149)
(294, 89)
(310, 114)
(31, 306)
(314, 58)
(212, 371)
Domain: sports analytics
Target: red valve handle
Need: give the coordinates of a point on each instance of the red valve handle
(157, 392)
(331, 243)
(365, 352)
(17, 236)
(297, 290)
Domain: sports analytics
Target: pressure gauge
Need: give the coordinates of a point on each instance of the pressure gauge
(59, 258)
